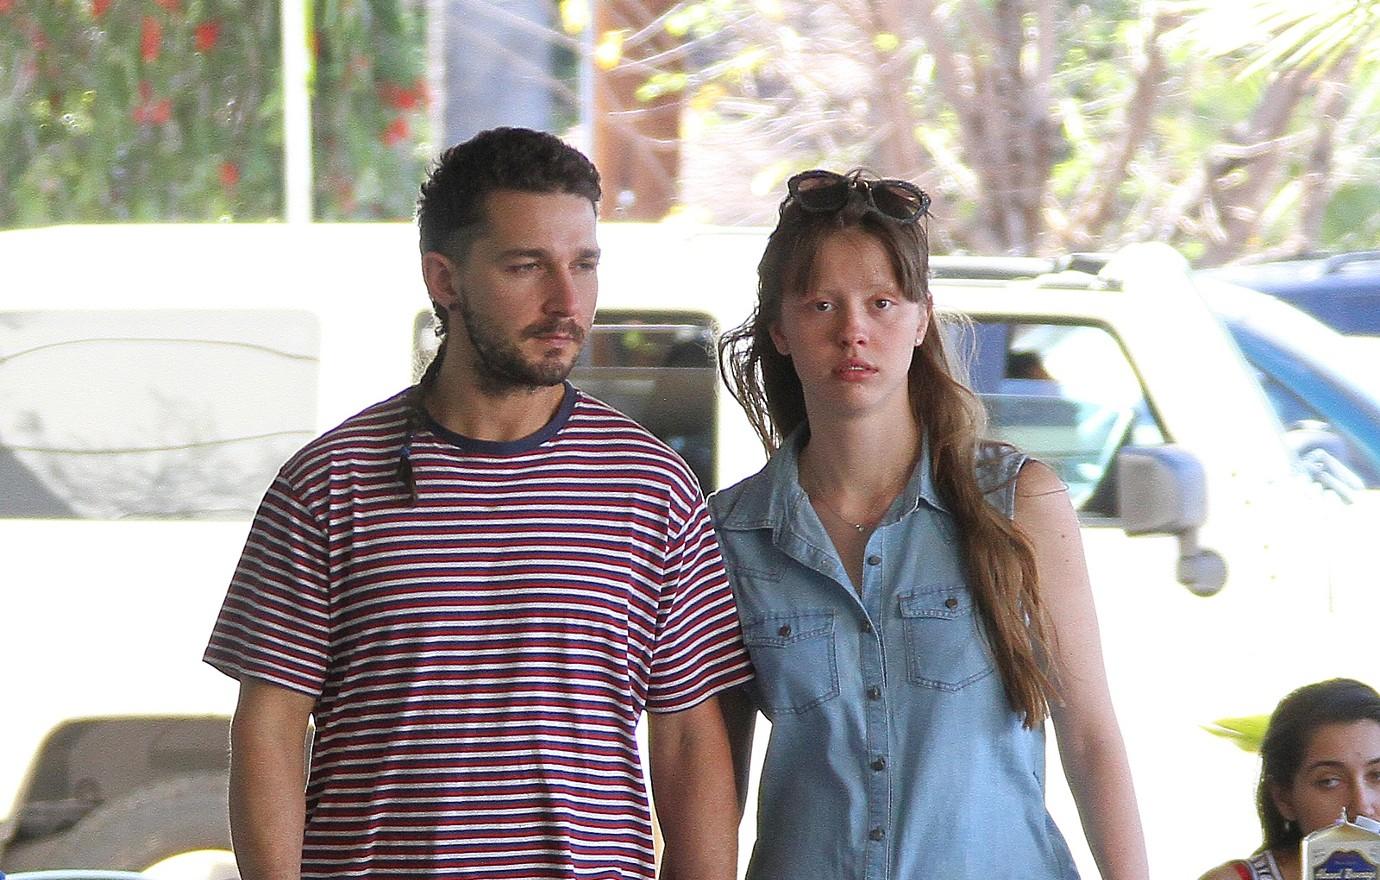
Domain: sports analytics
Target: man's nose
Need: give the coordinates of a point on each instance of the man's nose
(562, 293)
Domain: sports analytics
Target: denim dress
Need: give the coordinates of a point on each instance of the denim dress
(894, 753)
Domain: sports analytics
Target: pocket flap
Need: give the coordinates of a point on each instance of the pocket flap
(787, 628)
(941, 602)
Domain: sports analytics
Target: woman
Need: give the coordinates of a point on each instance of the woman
(1320, 755)
(909, 635)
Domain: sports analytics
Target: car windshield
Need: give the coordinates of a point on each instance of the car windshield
(1326, 353)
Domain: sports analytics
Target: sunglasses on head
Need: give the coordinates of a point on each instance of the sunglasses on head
(821, 191)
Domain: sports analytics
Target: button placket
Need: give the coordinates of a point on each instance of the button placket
(876, 778)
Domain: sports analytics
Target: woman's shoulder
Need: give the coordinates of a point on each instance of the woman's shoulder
(1236, 869)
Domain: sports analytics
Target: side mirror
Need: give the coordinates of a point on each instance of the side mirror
(1162, 490)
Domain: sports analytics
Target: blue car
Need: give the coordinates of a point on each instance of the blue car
(1322, 391)
(1342, 291)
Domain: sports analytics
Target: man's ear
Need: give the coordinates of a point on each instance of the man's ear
(441, 275)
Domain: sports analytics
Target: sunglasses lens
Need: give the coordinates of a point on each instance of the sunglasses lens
(896, 200)
(820, 190)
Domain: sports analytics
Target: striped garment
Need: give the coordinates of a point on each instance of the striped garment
(480, 661)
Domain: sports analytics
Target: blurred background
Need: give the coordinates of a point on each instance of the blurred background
(205, 260)
(1227, 128)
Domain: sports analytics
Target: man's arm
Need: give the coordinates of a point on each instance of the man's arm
(692, 784)
(267, 779)
(740, 720)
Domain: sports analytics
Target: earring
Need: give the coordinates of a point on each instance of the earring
(1288, 826)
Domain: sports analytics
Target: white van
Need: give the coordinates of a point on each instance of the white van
(148, 396)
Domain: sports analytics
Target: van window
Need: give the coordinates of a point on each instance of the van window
(1066, 394)
(147, 414)
(656, 367)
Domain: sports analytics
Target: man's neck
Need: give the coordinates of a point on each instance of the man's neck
(459, 403)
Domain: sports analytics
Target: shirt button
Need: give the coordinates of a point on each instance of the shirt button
(874, 693)
(951, 602)
(877, 833)
(874, 559)
(785, 631)
(867, 626)
(879, 764)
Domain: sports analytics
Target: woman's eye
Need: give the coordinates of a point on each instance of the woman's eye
(1327, 782)
(821, 306)
(885, 303)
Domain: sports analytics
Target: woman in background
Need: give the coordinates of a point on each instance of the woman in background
(914, 599)
(1320, 755)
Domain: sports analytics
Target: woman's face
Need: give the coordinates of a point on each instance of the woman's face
(851, 333)
(1340, 769)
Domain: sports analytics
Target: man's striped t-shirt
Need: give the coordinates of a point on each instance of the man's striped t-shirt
(480, 660)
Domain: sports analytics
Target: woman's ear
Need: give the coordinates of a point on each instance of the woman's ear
(923, 330)
(1284, 802)
(779, 339)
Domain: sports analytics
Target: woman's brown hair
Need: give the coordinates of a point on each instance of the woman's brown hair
(997, 557)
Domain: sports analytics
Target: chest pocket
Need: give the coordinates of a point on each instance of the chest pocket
(945, 645)
(795, 659)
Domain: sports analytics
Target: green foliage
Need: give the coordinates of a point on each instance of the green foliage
(138, 111)
(1352, 221)
(1246, 732)
(369, 110)
(171, 110)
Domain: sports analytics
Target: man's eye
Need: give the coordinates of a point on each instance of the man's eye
(885, 303)
(1327, 782)
(821, 306)
(523, 267)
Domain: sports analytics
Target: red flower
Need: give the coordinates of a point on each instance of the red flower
(229, 174)
(148, 111)
(396, 132)
(151, 39)
(399, 98)
(207, 35)
(99, 7)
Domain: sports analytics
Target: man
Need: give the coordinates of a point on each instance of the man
(477, 585)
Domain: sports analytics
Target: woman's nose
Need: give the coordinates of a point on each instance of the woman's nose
(1364, 801)
(852, 330)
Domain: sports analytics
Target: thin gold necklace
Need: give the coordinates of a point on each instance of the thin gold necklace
(860, 527)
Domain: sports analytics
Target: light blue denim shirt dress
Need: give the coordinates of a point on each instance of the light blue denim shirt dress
(894, 753)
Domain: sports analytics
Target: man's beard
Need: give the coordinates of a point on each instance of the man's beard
(499, 363)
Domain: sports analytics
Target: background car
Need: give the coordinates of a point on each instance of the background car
(1342, 291)
(1324, 393)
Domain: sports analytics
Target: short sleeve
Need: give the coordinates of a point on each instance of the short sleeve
(699, 645)
(274, 623)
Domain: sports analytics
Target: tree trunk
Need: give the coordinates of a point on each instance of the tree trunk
(636, 143)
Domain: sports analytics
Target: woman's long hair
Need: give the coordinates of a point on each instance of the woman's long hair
(1295, 720)
(997, 557)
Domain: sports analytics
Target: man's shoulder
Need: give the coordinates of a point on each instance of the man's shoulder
(613, 433)
(378, 429)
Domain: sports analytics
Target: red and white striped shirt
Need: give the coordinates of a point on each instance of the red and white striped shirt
(479, 661)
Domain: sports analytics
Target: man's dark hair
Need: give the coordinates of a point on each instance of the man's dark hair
(450, 209)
